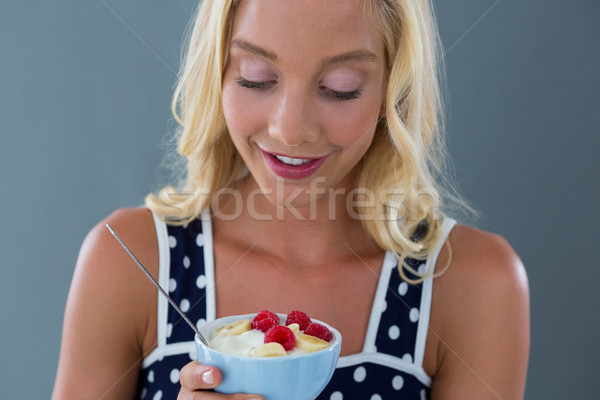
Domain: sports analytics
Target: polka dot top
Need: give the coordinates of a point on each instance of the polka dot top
(390, 365)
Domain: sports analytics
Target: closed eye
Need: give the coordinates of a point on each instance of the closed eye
(336, 95)
(253, 85)
(344, 96)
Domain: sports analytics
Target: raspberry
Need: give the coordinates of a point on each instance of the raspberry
(318, 330)
(271, 317)
(298, 317)
(264, 324)
(282, 335)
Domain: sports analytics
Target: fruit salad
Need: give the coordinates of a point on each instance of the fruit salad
(265, 336)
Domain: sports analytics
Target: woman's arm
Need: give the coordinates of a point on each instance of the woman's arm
(108, 317)
(480, 320)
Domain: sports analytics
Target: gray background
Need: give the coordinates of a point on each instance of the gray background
(84, 116)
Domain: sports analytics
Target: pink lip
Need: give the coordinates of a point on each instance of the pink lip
(295, 172)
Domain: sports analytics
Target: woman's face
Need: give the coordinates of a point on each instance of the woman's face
(303, 89)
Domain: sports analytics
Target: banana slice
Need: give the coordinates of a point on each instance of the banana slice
(294, 327)
(272, 349)
(235, 328)
(309, 343)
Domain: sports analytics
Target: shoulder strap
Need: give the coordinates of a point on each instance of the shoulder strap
(164, 257)
(425, 307)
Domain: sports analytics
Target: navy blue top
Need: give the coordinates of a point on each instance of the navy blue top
(389, 366)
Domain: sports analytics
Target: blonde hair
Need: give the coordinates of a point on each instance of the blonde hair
(403, 167)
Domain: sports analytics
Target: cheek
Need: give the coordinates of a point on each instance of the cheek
(242, 115)
(354, 127)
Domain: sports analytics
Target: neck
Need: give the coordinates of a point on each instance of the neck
(324, 226)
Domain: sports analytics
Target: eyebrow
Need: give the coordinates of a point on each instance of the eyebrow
(242, 44)
(353, 55)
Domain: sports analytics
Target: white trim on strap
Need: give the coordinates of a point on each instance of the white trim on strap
(425, 306)
(387, 361)
(170, 350)
(164, 263)
(209, 267)
(389, 261)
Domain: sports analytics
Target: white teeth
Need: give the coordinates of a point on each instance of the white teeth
(292, 161)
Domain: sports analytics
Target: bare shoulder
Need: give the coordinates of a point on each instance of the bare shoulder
(134, 225)
(483, 259)
(102, 259)
(106, 269)
(110, 309)
(479, 318)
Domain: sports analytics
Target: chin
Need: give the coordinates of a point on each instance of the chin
(299, 200)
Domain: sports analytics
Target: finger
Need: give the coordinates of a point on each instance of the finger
(194, 376)
(185, 394)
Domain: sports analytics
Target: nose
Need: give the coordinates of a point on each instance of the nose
(294, 121)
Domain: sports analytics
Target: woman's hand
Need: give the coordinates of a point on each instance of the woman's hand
(196, 379)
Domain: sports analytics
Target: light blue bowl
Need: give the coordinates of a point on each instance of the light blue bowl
(297, 377)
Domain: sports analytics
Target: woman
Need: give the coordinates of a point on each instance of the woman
(311, 134)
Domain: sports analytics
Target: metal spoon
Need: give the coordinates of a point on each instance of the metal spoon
(160, 289)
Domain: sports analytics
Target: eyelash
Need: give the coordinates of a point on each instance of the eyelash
(253, 85)
(342, 96)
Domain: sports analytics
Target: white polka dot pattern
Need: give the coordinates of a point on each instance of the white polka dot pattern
(397, 382)
(186, 284)
(200, 240)
(403, 288)
(394, 332)
(201, 282)
(157, 395)
(174, 376)
(414, 315)
(184, 305)
(394, 336)
(360, 374)
(372, 381)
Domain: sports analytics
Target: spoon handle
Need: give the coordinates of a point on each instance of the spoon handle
(160, 289)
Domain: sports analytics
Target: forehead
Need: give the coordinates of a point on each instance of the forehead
(306, 28)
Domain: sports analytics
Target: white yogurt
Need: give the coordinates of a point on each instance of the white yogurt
(242, 345)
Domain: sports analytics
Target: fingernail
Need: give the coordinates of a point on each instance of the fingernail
(208, 377)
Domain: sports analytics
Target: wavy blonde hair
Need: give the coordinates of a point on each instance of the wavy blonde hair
(403, 167)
